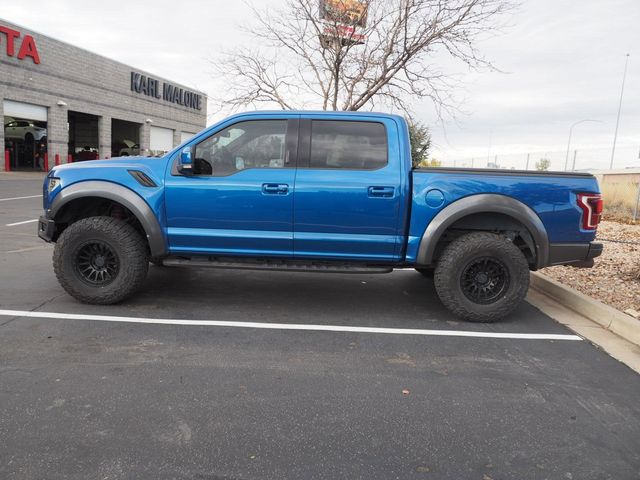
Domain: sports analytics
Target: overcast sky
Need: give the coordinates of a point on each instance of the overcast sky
(563, 62)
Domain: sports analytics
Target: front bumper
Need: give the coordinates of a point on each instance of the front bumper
(574, 254)
(46, 228)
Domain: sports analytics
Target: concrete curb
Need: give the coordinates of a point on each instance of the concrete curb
(608, 317)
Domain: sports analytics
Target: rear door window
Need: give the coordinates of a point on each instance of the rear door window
(348, 145)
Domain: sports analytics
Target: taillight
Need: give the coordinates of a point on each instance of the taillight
(591, 205)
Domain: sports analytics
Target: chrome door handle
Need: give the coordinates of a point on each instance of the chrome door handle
(381, 192)
(275, 188)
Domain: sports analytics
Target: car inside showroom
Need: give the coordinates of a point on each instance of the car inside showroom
(25, 133)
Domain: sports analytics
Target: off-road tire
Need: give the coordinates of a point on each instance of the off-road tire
(123, 240)
(455, 261)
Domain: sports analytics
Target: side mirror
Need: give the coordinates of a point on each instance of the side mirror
(185, 165)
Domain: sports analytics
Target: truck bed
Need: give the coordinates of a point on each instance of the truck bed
(551, 195)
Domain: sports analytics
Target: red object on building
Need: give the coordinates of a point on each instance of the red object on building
(57, 159)
(7, 161)
(27, 45)
(69, 158)
(46, 162)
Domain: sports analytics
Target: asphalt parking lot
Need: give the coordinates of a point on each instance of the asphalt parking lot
(83, 398)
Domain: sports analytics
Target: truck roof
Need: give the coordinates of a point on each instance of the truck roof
(312, 113)
(333, 113)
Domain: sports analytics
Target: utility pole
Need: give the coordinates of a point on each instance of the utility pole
(615, 135)
(566, 158)
(575, 154)
(527, 167)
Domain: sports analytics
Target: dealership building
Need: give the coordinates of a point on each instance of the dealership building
(60, 103)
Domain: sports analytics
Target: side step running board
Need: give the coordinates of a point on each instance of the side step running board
(274, 264)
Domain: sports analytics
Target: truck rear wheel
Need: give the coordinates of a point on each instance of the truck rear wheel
(482, 277)
(100, 260)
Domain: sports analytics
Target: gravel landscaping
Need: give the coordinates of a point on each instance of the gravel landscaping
(615, 278)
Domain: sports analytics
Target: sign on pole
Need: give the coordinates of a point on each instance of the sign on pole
(341, 20)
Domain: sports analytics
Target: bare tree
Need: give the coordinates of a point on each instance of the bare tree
(391, 60)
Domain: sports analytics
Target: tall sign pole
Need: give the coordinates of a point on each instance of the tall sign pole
(615, 135)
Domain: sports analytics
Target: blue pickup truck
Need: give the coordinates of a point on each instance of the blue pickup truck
(315, 191)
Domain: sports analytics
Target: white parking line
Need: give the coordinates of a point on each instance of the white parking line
(21, 223)
(28, 249)
(291, 326)
(19, 198)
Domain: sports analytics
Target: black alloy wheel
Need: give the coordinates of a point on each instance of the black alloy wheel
(484, 280)
(96, 263)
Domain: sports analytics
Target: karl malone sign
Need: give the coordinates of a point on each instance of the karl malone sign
(152, 87)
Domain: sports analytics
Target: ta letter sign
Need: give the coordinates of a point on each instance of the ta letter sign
(154, 88)
(26, 45)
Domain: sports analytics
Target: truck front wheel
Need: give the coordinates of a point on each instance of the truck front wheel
(100, 260)
(482, 277)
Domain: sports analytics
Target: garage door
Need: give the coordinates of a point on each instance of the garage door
(184, 136)
(161, 139)
(28, 111)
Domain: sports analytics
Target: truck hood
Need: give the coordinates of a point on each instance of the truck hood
(105, 168)
(119, 162)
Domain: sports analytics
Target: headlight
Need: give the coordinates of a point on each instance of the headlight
(53, 183)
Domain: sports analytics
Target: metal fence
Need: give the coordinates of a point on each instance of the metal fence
(620, 187)
(585, 159)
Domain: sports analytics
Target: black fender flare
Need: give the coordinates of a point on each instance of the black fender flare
(122, 195)
(484, 203)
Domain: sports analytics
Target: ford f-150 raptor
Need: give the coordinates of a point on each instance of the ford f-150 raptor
(315, 191)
